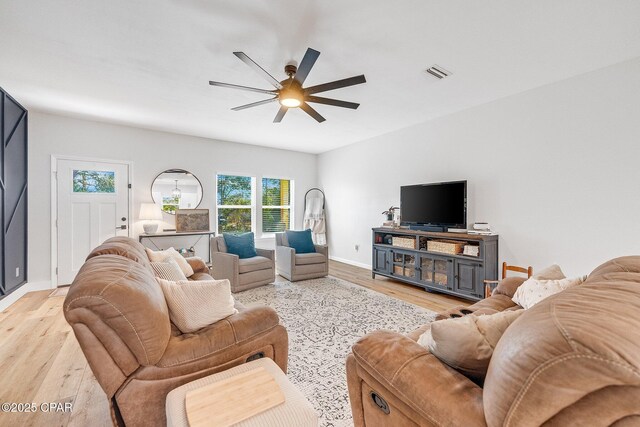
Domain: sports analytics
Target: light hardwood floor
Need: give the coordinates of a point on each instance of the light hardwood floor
(41, 361)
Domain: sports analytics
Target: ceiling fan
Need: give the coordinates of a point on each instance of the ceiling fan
(289, 92)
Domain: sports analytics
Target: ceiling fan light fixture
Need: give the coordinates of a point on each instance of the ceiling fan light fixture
(290, 98)
(290, 102)
(290, 92)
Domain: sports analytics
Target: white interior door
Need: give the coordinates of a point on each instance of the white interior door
(93, 205)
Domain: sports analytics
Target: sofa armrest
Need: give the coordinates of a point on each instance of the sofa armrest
(285, 258)
(197, 264)
(267, 253)
(251, 329)
(414, 377)
(322, 249)
(224, 265)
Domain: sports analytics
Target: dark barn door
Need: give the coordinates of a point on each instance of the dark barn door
(13, 194)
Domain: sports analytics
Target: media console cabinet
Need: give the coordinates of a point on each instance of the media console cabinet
(455, 274)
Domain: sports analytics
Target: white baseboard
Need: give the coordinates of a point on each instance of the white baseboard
(27, 287)
(350, 262)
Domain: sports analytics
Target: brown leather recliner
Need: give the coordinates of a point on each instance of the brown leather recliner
(572, 359)
(119, 315)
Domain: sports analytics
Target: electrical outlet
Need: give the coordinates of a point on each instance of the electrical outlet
(357, 248)
(17, 271)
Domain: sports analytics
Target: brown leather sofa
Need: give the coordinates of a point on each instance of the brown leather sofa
(572, 359)
(119, 315)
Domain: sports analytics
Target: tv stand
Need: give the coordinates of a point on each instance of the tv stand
(408, 260)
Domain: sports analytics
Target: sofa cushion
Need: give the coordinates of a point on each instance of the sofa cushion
(508, 286)
(196, 304)
(162, 256)
(533, 291)
(255, 263)
(200, 276)
(242, 245)
(467, 343)
(301, 241)
(312, 258)
(168, 270)
(553, 272)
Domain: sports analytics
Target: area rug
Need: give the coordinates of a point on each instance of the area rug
(324, 318)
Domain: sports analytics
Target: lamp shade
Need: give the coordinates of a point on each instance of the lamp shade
(150, 211)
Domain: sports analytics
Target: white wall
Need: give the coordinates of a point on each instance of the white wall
(555, 171)
(151, 153)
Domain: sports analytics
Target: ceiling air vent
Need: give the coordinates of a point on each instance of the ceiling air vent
(437, 71)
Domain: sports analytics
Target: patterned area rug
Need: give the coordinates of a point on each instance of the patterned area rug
(324, 317)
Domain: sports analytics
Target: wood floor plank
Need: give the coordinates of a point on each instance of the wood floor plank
(91, 407)
(65, 374)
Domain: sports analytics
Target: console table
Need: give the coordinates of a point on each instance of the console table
(459, 275)
(162, 234)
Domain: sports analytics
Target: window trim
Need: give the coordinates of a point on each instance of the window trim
(253, 205)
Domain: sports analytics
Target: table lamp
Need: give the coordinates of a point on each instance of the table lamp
(150, 212)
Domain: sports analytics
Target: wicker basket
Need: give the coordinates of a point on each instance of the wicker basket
(406, 271)
(445, 246)
(404, 242)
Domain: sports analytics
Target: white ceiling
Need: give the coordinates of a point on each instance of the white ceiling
(147, 63)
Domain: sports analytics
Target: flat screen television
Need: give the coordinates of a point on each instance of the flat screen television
(442, 204)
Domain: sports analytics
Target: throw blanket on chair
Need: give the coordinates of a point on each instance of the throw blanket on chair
(314, 219)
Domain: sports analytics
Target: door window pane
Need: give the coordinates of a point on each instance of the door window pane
(90, 181)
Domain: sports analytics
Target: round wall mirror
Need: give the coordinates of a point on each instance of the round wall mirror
(176, 189)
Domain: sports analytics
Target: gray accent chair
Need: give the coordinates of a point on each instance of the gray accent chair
(295, 267)
(244, 273)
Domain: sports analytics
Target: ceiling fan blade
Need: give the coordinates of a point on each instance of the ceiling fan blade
(310, 58)
(254, 104)
(313, 113)
(250, 89)
(351, 81)
(334, 102)
(281, 112)
(251, 63)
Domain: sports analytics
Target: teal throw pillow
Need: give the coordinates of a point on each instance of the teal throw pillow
(301, 241)
(242, 245)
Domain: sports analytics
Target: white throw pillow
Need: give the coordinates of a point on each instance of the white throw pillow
(533, 291)
(161, 256)
(199, 303)
(168, 270)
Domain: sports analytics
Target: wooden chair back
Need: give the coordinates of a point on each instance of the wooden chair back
(528, 271)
